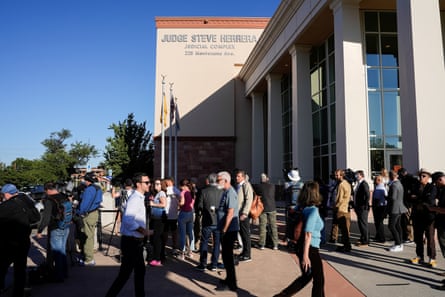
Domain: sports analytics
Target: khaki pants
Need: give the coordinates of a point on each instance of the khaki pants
(89, 228)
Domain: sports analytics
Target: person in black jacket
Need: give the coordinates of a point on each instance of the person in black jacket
(17, 214)
(208, 203)
(423, 219)
(361, 207)
(266, 191)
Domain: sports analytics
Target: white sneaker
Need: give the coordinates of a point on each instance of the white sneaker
(396, 248)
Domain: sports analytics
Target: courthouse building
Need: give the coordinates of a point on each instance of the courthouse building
(321, 85)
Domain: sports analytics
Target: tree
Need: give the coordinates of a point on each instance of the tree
(60, 162)
(130, 150)
(56, 163)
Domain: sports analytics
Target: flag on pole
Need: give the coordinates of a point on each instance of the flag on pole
(177, 118)
(172, 108)
(164, 110)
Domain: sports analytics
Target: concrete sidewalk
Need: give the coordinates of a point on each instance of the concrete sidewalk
(368, 271)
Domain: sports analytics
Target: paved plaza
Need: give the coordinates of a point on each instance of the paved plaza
(366, 271)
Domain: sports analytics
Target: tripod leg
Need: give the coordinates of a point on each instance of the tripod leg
(112, 231)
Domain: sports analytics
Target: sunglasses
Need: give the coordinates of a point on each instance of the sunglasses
(145, 182)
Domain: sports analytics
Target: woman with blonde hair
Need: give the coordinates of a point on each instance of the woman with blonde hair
(308, 244)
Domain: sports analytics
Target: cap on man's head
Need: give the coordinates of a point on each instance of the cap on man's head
(91, 177)
(9, 188)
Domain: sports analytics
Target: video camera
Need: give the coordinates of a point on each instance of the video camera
(350, 176)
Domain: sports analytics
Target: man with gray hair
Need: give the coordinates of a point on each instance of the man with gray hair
(228, 225)
(208, 203)
(266, 191)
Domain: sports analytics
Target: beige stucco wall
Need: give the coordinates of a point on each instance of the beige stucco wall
(201, 62)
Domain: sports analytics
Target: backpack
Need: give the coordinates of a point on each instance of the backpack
(293, 191)
(64, 213)
(125, 194)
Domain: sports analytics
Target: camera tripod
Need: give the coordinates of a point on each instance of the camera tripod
(118, 211)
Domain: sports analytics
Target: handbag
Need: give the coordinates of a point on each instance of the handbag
(257, 207)
(157, 212)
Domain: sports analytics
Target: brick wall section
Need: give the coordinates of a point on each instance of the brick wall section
(197, 156)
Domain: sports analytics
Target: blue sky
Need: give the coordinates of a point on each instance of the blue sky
(82, 65)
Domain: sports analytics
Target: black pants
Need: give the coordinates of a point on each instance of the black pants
(379, 213)
(424, 227)
(227, 241)
(16, 253)
(245, 237)
(316, 273)
(157, 239)
(132, 259)
(362, 221)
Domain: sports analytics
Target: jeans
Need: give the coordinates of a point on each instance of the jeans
(271, 218)
(185, 226)
(58, 239)
(205, 235)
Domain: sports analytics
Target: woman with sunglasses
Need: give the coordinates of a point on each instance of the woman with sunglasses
(157, 219)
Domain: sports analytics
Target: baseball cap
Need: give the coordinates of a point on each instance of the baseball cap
(9, 188)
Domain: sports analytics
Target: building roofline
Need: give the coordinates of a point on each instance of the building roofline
(212, 22)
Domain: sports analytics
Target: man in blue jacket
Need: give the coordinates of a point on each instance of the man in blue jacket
(90, 202)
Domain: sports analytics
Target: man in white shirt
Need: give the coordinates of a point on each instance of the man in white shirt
(133, 230)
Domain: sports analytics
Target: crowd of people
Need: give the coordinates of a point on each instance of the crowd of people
(186, 222)
(413, 204)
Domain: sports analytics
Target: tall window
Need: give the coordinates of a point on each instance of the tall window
(286, 118)
(385, 133)
(322, 63)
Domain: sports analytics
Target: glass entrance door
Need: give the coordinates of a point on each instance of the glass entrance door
(393, 160)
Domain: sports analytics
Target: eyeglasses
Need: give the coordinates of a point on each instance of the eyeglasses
(145, 182)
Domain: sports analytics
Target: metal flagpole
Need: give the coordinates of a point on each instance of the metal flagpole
(172, 110)
(162, 129)
(176, 139)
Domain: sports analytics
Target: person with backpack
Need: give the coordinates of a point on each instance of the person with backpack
(57, 216)
(91, 199)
